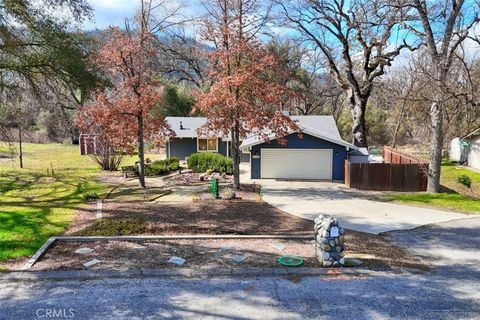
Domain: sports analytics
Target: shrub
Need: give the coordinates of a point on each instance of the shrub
(465, 180)
(162, 166)
(228, 194)
(90, 196)
(203, 161)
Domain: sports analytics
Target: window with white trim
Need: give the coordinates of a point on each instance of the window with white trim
(207, 145)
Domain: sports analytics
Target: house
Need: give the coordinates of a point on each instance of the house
(187, 140)
(466, 150)
(319, 153)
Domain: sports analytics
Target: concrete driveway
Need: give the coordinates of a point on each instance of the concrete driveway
(352, 208)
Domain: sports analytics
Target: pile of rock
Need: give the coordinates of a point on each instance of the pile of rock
(329, 241)
(210, 176)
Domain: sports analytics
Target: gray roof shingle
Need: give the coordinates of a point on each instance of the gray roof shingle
(320, 126)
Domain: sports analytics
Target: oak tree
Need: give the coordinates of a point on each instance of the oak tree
(244, 97)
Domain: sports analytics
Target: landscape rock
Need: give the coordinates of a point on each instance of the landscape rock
(278, 246)
(84, 250)
(223, 249)
(177, 260)
(91, 263)
(238, 258)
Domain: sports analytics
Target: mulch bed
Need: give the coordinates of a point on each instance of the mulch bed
(219, 217)
(206, 217)
(215, 253)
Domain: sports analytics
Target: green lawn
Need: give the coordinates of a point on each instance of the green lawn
(454, 196)
(39, 201)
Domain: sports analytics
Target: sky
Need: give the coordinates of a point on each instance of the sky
(113, 12)
(110, 12)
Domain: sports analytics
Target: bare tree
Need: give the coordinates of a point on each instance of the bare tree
(355, 38)
(443, 27)
(316, 91)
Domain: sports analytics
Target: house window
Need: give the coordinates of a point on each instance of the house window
(207, 145)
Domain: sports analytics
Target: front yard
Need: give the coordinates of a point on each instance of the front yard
(206, 218)
(40, 201)
(49, 198)
(454, 195)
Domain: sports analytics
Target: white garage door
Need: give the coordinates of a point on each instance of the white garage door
(296, 163)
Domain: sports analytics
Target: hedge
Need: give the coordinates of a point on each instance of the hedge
(203, 161)
(162, 166)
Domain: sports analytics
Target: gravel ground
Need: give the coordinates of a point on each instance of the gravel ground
(214, 253)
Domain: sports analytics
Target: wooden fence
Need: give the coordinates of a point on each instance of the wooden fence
(401, 172)
(391, 155)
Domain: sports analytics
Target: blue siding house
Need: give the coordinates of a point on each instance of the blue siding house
(317, 153)
(187, 140)
(307, 141)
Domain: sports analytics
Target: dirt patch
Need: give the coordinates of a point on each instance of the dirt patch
(213, 253)
(155, 254)
(248, 192)
(378, 252)
(209, 217)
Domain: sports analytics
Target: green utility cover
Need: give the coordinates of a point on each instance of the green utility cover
(290, 261)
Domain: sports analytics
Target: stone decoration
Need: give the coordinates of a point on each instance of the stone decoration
(329, 241)
(84, 250)
(92, 263)
(177, 260)
(238, 259)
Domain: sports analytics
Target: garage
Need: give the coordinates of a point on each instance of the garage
(316, 152)
(280, 163)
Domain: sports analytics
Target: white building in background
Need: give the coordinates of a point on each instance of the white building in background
(466, 150)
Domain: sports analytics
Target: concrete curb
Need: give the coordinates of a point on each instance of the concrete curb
(187, 273)
(40, 252)
(43, 249)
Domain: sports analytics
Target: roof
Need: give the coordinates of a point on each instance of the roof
(323, 127)
(186, 127)
(475, 133)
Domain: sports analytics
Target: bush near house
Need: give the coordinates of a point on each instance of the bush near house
(203, 161)
(162, 166)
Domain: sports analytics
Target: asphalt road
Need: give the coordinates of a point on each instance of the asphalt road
(363, 297)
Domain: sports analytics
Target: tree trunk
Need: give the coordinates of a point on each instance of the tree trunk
(236, 155)
(399, 124)
(359, 133)
(141, 155)
(20, 150)
(436, 117)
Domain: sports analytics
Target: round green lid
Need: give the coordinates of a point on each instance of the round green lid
(290, 261)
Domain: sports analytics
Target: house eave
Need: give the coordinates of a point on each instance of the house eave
(306, 131)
